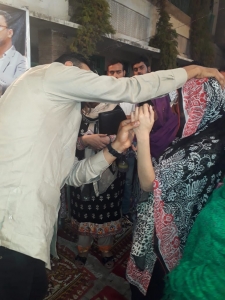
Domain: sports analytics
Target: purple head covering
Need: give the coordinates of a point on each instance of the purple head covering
(165, 127)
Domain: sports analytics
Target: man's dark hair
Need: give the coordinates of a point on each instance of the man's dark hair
(143, 59)
(114, 61)
(222, 69)
(194, 62)
(8, 18)
(76, 58)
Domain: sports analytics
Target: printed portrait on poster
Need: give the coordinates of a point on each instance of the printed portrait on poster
(13, 60)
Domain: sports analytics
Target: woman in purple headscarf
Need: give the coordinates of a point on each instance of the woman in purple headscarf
(165, 127)
(163, 132)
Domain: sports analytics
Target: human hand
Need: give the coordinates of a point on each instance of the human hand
(125, 135)
(145, 115)
(211, 72)
(105, 139)
(96, 141)
(202, 72)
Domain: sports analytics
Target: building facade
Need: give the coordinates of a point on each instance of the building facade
(134, 21)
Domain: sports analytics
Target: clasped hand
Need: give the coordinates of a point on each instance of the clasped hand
(145, 115)
(141, 123)
(96, 141)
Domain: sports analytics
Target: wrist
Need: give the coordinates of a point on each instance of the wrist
(197, 71)
(144, 136)
(113, 151)
(84, 140)
(193, 71)
(118, 147)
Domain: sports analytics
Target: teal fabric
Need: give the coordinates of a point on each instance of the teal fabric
(201, 272)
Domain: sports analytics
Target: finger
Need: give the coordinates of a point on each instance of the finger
(105, 144)
(106, 140)
(102, 145)
(141, 111)
(130, 126)
(151, 111)
(151, 115)
(136, 114)
(146, 109)
(123, 123)
(211, 72)
(132, 116)
(101, 134)
(98, 143)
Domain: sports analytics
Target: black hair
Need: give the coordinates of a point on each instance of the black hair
(76, 58)
(143, 59)
(194, 62)
(114, 61)
(8, 18)
(222, 69)
(149, 102)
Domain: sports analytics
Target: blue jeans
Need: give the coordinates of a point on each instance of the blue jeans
(128, 186)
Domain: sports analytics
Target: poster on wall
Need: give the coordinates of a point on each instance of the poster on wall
(14, 60)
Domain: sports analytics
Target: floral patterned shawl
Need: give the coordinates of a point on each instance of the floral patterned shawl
(186, 175)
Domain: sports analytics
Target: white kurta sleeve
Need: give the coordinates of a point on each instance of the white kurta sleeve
(87, 170)
(68, 83)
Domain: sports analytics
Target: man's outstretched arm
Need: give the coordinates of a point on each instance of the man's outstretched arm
(69, 83)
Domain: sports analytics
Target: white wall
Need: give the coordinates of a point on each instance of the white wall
(181, 28)
(143, 7)
(133, 19)
(149, 10)
(53, 8)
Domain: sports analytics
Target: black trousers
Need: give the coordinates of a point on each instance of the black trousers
(156, 286)
(21, 277)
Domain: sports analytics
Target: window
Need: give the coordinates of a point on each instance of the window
(182, 5)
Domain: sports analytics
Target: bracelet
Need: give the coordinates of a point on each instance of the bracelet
(113, 152)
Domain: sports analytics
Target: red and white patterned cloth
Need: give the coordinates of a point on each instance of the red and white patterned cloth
(186, 174)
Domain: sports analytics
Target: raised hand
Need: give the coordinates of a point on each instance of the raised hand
(202, 72)
(125, 135)
(145, 115)
(146, 174)
(211, 72)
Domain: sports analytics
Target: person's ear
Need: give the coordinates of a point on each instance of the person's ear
(149, 69)
(68, 63)
(124, 73)
(10, 33)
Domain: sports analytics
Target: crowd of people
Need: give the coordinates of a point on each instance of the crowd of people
(167, 156)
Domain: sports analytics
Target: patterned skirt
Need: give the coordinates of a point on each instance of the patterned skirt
(100, 216)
